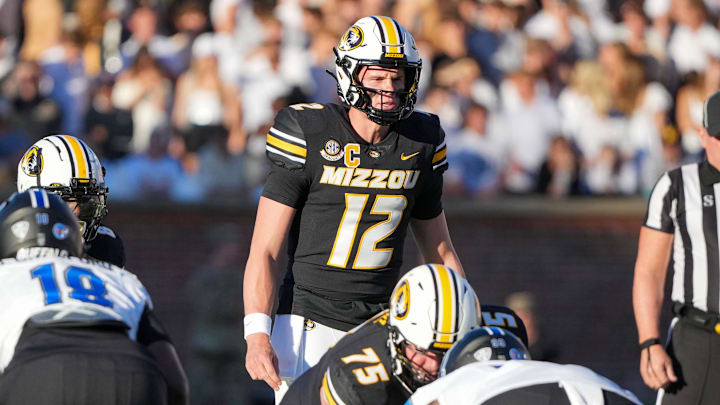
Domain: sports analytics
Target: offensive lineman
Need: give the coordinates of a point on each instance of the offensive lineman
(74, 331)
(346, 182)
(384, 360)
(66, 166)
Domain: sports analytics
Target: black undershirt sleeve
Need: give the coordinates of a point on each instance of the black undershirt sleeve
(287, 187)
(150, 330)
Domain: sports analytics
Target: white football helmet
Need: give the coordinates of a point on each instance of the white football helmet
(431, 307)
(66, 166)
(377, 41)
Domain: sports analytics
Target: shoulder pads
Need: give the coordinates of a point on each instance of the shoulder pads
(504, 317)
(425, 127)
(104, 230)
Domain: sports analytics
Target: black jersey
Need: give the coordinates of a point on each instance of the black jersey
(354, 201)
(358, 370)
(506, 318)
(107, 247)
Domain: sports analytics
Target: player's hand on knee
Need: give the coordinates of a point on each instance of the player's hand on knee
(261, 361)
(656, 367)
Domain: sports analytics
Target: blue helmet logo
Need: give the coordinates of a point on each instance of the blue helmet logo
(516, 354)
(60, 231)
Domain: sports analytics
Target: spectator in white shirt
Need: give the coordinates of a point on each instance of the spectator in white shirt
(531, 118)
(476, 156)
(693, 37)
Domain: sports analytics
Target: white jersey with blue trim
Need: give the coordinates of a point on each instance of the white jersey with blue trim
(65, 290)
(477, 383)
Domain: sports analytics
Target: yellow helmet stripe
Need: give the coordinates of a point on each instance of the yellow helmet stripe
(286, 146)
(447, 309)
(393, 36)
(77, 151)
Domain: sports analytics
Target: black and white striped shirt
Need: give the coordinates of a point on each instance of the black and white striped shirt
(684, 202)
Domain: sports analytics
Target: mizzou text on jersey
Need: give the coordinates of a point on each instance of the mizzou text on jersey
(354, 203)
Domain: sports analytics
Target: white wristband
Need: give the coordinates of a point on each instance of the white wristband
(257, 322)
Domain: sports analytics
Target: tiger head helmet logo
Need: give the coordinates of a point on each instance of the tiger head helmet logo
(32, 161)
(401, 301)
(352, 39)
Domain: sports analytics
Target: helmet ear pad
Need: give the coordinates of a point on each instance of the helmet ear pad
(349, 87)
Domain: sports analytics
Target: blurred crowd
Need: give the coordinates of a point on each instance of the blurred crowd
(558, 97)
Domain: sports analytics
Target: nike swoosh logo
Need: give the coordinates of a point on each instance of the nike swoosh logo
(403, 157)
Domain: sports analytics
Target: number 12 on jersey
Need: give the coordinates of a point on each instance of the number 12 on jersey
(368, 256)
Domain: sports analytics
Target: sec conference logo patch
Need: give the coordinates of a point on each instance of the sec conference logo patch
(400, 303)
(309, 325)
(332, 150)
(32, 162)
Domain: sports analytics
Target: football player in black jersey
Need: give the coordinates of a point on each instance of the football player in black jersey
(387, 358)
(66, 166)
(504, 317)
(346, 181)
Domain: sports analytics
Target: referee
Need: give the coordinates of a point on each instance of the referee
(682, 218)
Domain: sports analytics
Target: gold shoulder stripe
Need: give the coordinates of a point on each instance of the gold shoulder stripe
(440, 155)
(326, 392)
(286, 146)
(77, 150)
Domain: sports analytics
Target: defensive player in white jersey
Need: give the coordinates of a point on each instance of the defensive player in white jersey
(74, 331)
(491, 366)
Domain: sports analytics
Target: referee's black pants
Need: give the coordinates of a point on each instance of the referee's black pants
(695, 352)
(77, 366)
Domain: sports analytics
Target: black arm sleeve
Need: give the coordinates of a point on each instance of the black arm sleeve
(150, 330)
(289, 187)
(108, 247)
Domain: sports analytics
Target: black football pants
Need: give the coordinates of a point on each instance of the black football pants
(77, 366)
(695, 353)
